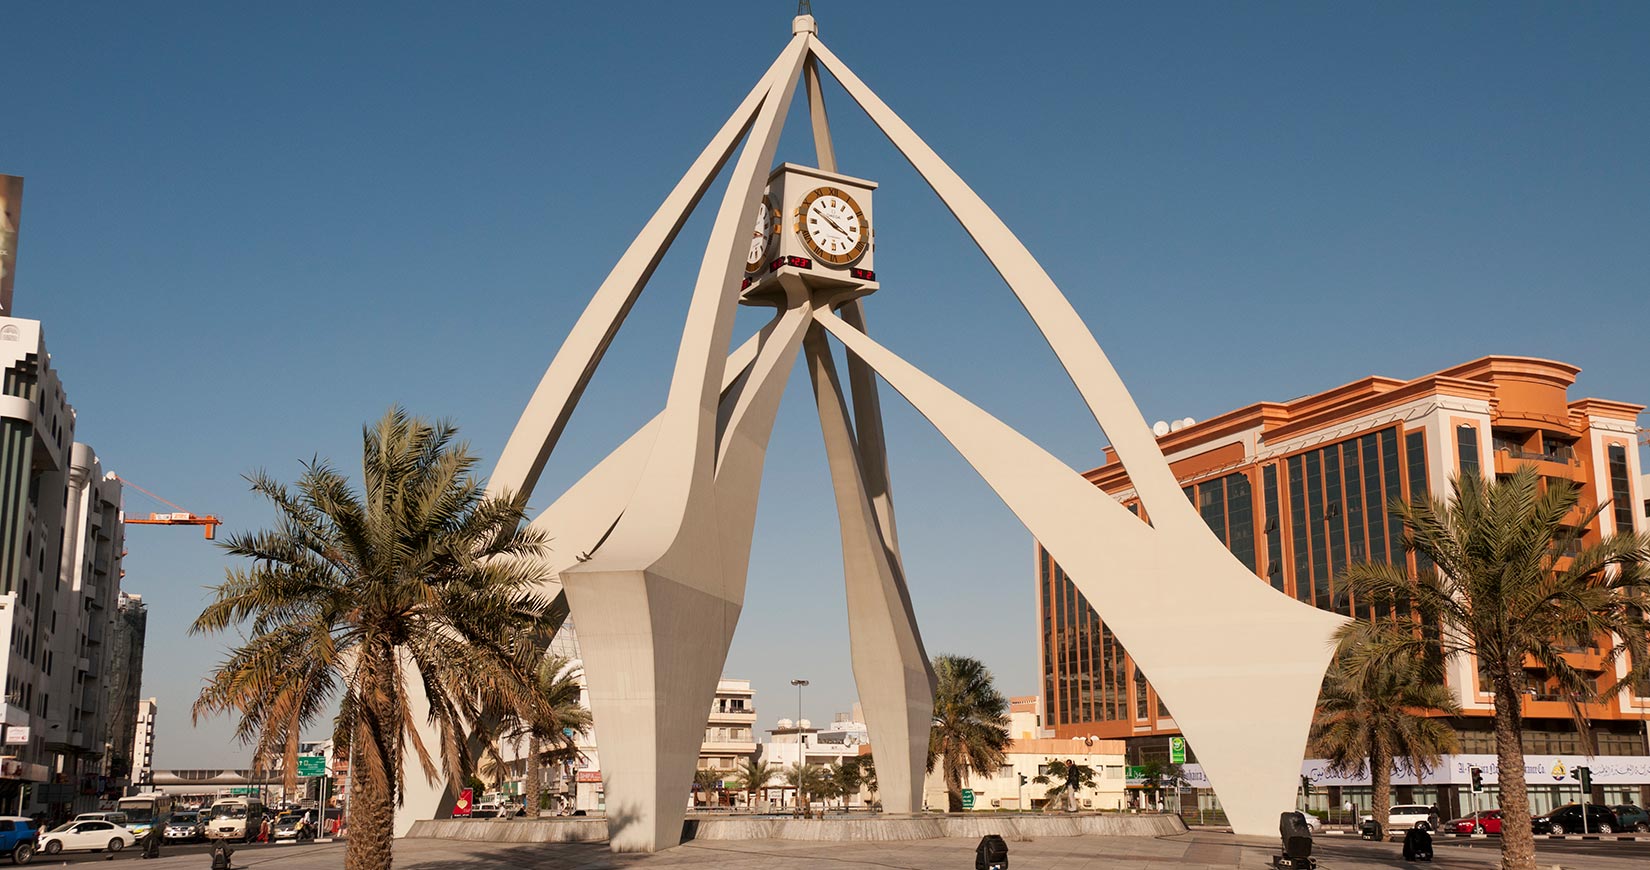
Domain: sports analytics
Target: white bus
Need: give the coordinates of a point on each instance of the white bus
(144, 811)
(235, 818)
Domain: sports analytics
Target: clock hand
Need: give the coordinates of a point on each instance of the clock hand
(834, 225)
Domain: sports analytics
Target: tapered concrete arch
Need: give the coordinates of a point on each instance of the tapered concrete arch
(1244, 692)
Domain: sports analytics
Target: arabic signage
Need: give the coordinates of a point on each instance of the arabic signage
(590, 776)
(17, 735)
(1457, 770)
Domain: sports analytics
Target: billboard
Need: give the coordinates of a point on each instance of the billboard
(11, 216)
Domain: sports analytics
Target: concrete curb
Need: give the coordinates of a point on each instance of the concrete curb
(594, 830)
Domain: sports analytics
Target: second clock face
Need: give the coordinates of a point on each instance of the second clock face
(764, 231)
(832, 226)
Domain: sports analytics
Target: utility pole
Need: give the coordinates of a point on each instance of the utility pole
(801, 756)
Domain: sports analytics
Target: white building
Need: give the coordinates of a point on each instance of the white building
(143, 744)
(1029, 758)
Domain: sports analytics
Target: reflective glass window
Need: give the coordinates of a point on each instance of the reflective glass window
(1274, 528)
(1621, 498)
(1297, 529)
(1466, 446)
(1240, 518)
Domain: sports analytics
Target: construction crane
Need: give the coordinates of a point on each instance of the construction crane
(179, 517)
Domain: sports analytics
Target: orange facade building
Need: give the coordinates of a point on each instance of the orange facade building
(1299, 490)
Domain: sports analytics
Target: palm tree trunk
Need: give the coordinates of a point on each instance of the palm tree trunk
(1380, 776)
(533, 790)
(372, 790)
(1517, 840)
(953, 788)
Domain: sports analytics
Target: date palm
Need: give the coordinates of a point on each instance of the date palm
(808, 780)
(708, 782)
(1514, 584)
(418, 582)
(970, 730)
(1373, 712)
(552, 737)
(753, 775)
(1065, 780)
(845, 778)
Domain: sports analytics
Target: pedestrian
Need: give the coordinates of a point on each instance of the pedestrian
(264, 830)
(151, 840)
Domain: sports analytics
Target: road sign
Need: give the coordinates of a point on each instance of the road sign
(244, 789)
(312, 765)
(1177, 750)
(968, 798)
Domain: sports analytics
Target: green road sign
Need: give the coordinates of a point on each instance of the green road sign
(1177, 750)
(312, 765)
(244, 789)
(968, 798)
(1135, 771)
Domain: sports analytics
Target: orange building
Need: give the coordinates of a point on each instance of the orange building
(1299, 490)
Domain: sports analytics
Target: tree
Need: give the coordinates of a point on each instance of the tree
(1154, 772)
(550, 738)
(1507, 578)
(808, 780)
(1371, 714)
(845, 779)
(708, 782)
(868, 775)
(1065, 779)
(419, 580)
(970, 730)
(753, 776)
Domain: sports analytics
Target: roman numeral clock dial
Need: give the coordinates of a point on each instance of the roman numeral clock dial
(832, 226)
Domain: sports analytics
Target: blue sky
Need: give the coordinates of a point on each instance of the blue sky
(251, 228)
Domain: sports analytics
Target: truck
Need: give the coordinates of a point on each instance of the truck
(17, 838)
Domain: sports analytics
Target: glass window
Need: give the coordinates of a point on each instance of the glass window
(1390, 474)
(1336, 523)
(1374, 506)
(1211, 505)
(1297, 529)
(1621, 499)
(1466, 447)
(1240, 518)
(1415, 444)
(1314, 515)
(1274, 528)
(1108, 658)
(1354, 481)
(1140, 709)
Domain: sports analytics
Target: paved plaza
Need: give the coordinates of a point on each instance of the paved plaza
(1198, 850)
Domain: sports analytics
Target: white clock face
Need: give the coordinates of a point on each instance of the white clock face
(832, 225)
(762, 231)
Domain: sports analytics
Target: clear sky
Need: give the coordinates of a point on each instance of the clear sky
(249, 228)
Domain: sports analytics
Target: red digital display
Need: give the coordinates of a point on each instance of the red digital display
(863, 274)
(746, 285)
(774, 266)
(798, 262)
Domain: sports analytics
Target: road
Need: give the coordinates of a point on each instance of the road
(1566, 853)
(245, 855)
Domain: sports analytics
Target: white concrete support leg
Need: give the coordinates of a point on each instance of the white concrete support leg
(891, 668)
(1278, 647)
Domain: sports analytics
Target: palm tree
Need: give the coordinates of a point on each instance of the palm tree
(551, 737)
(1370, 715)
(808, 780)
(844, 778)
(753, 776)
(970, 730)
(708, 782)
(868, 775)
(1065, 779)
(420, 580)
(1514, 583)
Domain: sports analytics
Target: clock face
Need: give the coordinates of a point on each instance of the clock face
(764, 232)
(832, 225)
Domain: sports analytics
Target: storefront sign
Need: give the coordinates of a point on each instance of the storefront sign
(1457, 770)
(17, 735)
(461, 807)
(1177, 750)
(590, 776)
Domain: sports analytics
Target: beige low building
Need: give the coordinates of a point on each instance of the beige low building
(1030, 758)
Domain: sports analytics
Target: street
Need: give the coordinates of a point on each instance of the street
(249, 855)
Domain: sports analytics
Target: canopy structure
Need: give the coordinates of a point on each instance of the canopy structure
(654, 542)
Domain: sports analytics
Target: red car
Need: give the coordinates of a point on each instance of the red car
(1485, 822)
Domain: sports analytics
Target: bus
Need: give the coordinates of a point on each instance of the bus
(144, 811)
(235, 818)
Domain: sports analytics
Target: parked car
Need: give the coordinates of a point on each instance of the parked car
(1481, 822)
(1409, 816)
(1567, 820)
(17, 838)
(92, 834)
(185, 826)
(1313, 823)
(487, 811)
(1632, 818)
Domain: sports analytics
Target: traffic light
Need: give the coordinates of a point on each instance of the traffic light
(1585, 774)
(1477, 780)
(1022, 780)
(1306, 784)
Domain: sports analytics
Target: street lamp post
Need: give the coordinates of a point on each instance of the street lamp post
(801, 758)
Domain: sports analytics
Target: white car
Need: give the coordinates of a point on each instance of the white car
(93, 835)
(1410, 816)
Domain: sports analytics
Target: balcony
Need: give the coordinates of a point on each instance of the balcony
(1555, 462)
